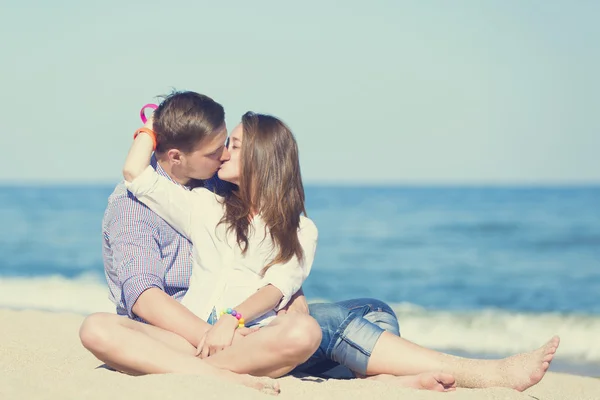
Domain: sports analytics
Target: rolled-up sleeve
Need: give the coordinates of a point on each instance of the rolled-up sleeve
(137, 261)
(288, 277)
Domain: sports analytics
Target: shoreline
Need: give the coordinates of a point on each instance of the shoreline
(43, 358)
(560, 364)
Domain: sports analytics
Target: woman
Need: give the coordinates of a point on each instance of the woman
(252, 248)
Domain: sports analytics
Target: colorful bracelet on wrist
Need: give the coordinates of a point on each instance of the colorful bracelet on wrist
(149, 133)
(235, 314)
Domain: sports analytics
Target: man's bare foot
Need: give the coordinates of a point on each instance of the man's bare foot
(522, 371)
(435, 381)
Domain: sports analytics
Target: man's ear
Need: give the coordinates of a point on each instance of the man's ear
(174, 156)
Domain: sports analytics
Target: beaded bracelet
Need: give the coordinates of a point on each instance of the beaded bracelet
(233, 313)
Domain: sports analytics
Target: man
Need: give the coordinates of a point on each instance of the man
(148, 265)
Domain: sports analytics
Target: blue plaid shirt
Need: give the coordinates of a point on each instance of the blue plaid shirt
(142, 251)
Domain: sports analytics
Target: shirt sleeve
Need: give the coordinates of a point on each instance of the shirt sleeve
(178, 206)
(134, 241)
(288, 277)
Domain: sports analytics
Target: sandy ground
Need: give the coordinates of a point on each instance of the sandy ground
(41, 358)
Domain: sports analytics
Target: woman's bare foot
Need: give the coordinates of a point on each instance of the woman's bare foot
(435, 381)
(524, 370)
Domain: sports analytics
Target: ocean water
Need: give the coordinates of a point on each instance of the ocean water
(478, 271)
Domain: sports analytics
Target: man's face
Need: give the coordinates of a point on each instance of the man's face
(205, 160)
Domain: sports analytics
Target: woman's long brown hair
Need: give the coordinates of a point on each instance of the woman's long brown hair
(270, 184)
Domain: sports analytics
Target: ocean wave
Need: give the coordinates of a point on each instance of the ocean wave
(493, 332)
(84, 295)
(501, 332)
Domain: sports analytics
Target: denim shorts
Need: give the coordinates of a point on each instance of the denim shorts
(350, 330)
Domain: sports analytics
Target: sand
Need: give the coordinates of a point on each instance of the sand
(41, 358)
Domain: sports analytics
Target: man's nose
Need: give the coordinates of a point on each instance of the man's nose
(225, 156)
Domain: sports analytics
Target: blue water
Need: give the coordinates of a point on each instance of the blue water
(460, 248)
(479, 270)
(517, 249)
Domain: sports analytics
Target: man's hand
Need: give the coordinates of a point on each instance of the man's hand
(222, 335)
(297, 304)
(161, 310)
(241, 333)
(219, 336)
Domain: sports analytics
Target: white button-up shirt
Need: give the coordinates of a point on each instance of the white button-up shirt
(223, 277)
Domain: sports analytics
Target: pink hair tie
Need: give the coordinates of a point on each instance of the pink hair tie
(143, 114)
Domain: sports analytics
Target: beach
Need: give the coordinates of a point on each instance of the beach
(472, 272)
(41, 358)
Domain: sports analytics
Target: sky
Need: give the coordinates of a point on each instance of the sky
(385, 92)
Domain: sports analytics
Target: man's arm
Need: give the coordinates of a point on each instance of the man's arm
(137, 262)
(159, 309)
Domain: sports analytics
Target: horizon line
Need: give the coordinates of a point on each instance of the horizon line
(348, 183)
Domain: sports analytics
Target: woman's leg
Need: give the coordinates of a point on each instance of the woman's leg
(274, 350)
(350, 331)
(136, 348)
(368, 342)
(397, 356)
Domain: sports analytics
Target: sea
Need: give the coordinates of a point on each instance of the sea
(473, 271)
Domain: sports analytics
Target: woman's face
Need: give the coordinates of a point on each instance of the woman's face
(231, 158)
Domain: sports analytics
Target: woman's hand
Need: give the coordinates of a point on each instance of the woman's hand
(218, 337)
(149, 123)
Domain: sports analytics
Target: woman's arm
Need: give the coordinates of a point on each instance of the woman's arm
(173, 203)
(221, 334)
(139, 154)
(282, 281)
(178, 206)
(261, 302)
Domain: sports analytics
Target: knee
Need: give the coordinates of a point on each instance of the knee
(330, 316)
(376, 305)
(95, 331)
(382, 315)
(300, 336)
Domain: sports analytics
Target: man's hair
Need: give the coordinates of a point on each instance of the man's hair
(184, 119)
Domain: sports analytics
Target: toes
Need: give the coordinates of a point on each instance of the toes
(554, 342)
(446, 379)
(545, 366)
(439, 388)
(548, 357)
(550, 349)
(450, 387)
(270, 387)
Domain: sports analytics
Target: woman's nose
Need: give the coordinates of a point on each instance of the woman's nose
(225, 156)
